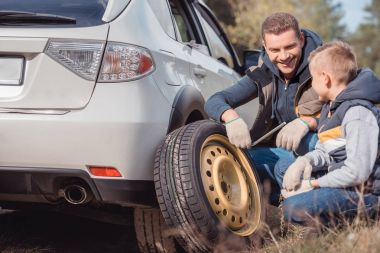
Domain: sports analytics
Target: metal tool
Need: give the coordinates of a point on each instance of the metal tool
(269, 133)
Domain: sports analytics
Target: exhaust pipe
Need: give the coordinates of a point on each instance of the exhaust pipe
(76, 194)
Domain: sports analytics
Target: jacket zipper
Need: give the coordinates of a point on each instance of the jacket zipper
(286, 101)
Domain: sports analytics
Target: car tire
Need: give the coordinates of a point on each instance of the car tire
(208, 191)
(152, 234)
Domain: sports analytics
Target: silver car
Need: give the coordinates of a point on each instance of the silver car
(90, 88)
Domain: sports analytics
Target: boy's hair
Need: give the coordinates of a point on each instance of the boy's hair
(278, 23)
(339, 58)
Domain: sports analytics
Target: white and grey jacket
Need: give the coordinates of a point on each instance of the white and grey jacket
(348, 136)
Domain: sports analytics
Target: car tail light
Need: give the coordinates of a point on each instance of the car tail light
(83, 58)
(124, 62)
(104, 171)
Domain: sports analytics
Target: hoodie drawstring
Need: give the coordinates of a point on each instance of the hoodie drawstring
(273, 96)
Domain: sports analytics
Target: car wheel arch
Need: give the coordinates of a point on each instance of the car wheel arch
(187, 107)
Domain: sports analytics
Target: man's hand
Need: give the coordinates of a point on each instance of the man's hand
(238, 133)
(304, 187)
(292, 177)
(291, 135)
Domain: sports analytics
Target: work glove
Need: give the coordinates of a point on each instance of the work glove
(304, 187)
(292, 177)
(238, 133)
(291, 134)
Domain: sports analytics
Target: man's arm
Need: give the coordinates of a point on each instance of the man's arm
(361, 131)
(291, 135)
(229, 115)
(311, 122)
(220, 105)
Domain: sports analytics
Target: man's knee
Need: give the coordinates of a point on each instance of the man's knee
(307, 144)
(280, 168)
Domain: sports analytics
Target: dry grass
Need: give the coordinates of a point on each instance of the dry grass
(359, 235)
(29, 233)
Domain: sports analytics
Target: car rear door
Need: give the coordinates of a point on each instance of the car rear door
(208, 74)
(212, 60)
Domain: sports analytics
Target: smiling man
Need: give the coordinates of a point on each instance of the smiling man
(283, 84)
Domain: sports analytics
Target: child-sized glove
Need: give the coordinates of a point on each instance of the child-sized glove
(304, 187)
(290, 136)
(238, 133)
(292, 177)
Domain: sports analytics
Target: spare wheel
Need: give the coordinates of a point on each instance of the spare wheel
(207, 189)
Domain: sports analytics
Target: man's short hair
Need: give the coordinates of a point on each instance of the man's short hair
(338, 57)
(278, 23)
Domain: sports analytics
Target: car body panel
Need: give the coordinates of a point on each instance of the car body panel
(110, 131)
(46, 84)
(173, 68)
(57, 120)
(114, 8)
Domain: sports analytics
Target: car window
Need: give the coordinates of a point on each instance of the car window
(86, 12)
(161, 9)
(181, 21)
(217, 45)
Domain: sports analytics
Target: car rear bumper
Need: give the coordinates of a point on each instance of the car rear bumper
(121, 127)
(42, 185)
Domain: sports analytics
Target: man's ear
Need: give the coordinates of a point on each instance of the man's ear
(263, 43)
(302, 38)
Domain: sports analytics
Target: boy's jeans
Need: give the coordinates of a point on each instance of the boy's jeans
(265, 160)
(325, 203)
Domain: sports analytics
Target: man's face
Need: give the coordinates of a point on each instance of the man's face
(285, 51)
(319, 82)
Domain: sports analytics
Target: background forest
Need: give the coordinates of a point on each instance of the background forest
(242, 20)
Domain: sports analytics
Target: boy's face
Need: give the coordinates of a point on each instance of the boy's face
(285, 51)
(319, 82)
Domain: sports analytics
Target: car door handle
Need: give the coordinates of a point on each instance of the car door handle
(200, 72)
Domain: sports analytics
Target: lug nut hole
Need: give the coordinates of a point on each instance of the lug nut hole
(224, 187)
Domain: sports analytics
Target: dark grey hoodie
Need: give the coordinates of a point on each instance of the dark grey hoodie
(284, 95)
(282, 107)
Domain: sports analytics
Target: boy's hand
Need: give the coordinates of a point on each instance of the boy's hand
(304, 187)
(291, 135)
(292, 177)
(238, 133)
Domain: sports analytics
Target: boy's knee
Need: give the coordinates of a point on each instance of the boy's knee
(295, 211)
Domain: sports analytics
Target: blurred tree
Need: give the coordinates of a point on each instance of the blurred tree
(244, 31)
(242, 19)
(366, 39)
(321, 16)
(223, 10)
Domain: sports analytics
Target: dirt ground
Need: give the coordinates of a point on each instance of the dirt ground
(54, 232)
